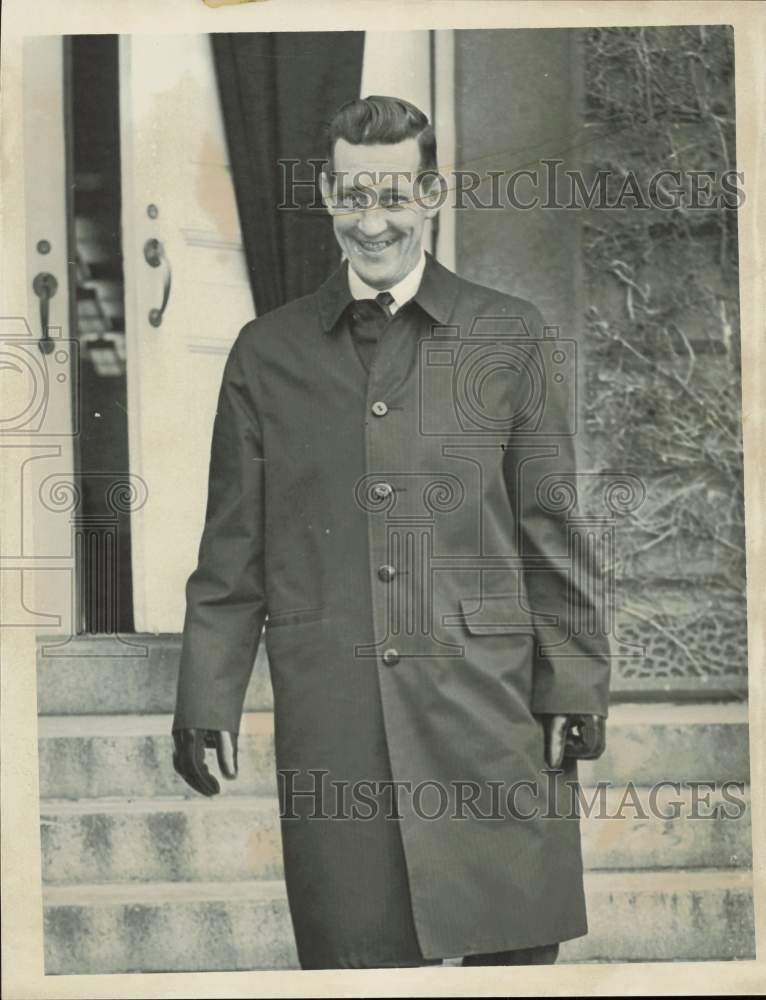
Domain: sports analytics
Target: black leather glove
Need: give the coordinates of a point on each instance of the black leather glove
(574, 735)
(189, 757)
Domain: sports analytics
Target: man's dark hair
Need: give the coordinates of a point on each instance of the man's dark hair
(376, 119)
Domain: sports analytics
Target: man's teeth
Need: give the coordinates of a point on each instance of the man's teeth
(375, 245)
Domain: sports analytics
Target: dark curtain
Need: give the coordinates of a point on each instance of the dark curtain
(278, 90)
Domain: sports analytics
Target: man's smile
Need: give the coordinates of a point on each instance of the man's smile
(375, 246)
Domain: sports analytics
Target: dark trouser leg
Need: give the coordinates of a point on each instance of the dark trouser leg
(375, 965)
(544, 954)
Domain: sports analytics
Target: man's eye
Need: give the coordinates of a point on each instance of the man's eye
(355, 200)
(393, 201)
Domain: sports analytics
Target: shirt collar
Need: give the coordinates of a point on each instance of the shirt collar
(402, 291)
(436, 293)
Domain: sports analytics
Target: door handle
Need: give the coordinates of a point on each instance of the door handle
(45, 286)
(154, 255)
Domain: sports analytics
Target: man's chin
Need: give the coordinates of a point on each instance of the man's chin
(383, 271)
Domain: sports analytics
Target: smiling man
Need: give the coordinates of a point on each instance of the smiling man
(383, 496)
(378, 194)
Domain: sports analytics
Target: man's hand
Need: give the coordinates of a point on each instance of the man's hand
(574, 735)
(189, 757)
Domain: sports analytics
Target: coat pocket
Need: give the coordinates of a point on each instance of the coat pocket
(496, 614)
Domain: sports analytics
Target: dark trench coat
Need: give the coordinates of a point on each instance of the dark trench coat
(376, 525)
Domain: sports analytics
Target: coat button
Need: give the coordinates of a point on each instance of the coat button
(391, 657)
(382, 490)
(379, 408)
(386, 573)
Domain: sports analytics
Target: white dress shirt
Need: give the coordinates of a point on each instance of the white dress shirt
(402, 291)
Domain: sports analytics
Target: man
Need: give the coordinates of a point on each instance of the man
(385, 494)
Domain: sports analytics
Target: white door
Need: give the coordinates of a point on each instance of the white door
(176, 191)
(37, 430)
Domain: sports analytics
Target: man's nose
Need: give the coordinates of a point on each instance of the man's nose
(372, 222)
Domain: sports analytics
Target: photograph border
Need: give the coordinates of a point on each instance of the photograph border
(22, 946)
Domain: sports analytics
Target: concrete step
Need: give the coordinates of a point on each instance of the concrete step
(168, 927)
(687, 742)
(130, 755)
(106, 675)
(163, 839)
(169, 839)
(666, 917)
(659, 829)
(110, 675)
(174, 927)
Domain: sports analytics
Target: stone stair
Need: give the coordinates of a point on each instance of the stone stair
(141, 874)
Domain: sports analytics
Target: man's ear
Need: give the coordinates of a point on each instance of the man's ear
(431, 192)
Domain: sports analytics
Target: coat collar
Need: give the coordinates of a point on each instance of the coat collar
(436, 294)
(402, 291)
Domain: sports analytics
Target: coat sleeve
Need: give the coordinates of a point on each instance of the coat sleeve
(561, 582)
(225, 599)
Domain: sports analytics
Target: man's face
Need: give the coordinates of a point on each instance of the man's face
(377, 220)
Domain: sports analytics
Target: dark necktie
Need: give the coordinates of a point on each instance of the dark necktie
(385, 300)
(368, 320)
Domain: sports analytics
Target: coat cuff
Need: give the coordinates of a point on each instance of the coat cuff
(570, 686)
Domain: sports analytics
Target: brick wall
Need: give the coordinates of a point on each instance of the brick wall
(651, 295)
(662, 385)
